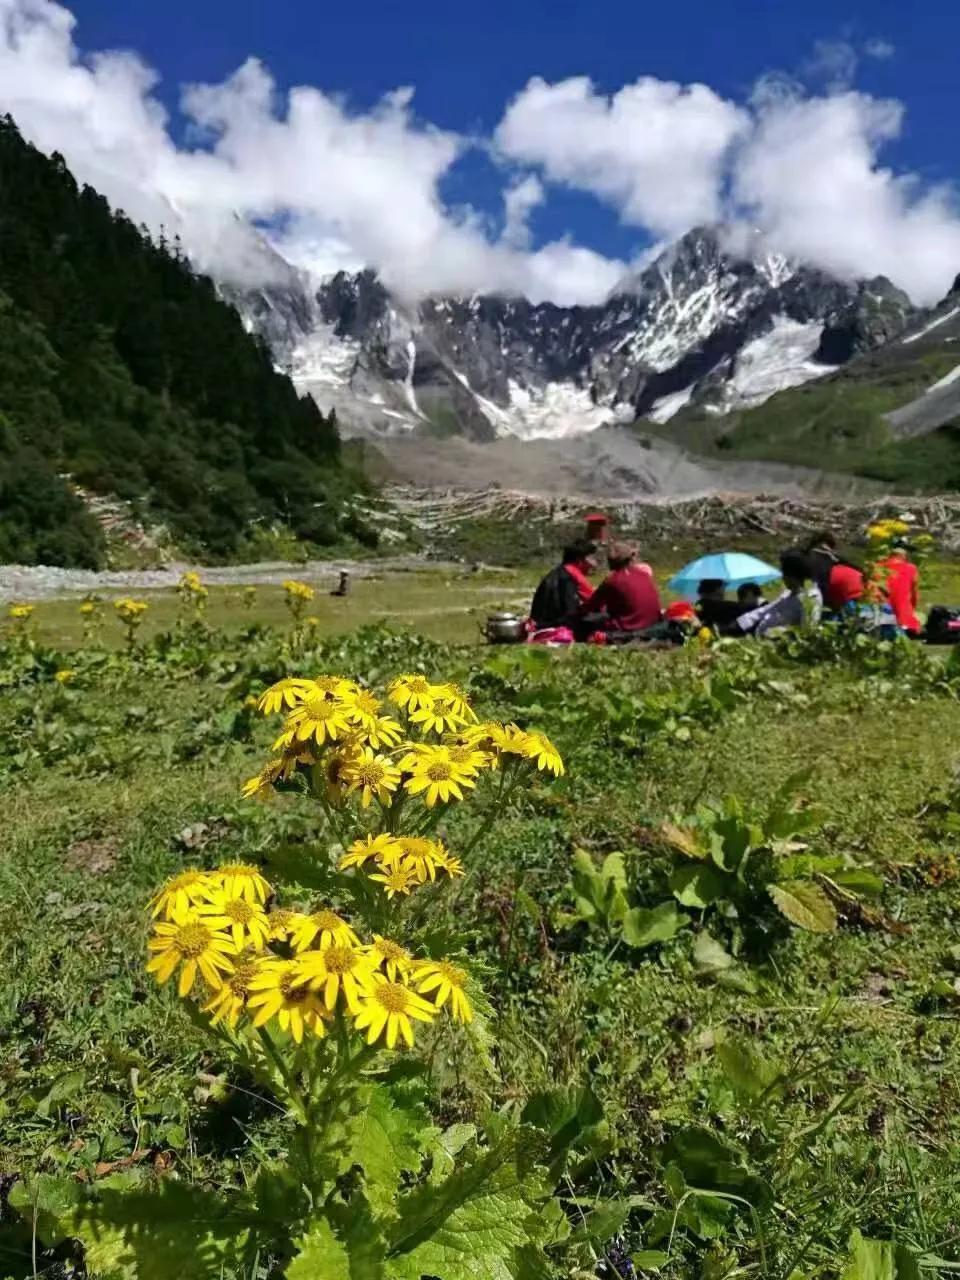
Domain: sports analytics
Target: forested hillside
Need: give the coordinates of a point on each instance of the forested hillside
(122, 370)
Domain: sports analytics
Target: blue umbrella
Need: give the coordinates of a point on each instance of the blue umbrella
(733, 568)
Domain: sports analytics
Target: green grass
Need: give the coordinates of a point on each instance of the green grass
(837, 423)
(97, 1064)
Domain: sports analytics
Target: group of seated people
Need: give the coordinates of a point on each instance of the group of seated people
(626, 606)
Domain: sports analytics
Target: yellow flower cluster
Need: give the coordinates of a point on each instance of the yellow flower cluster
(190, 588)
(887, 530)
(19, 612)
(401, 863)
(88, 608)
(438, 754)
(64, 676)
(130, 611)
(298, 590)
(301, 970)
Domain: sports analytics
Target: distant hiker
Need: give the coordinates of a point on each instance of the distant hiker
(627, 598)
(713, 607)
(901, 586)
(840, 582)
(561, 596)
(800, 603)
(344, 586)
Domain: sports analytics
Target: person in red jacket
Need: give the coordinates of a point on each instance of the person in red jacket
(901, 586)
(628, 596)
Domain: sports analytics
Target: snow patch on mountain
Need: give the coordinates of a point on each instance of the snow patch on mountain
(665, 408)
(775, 361)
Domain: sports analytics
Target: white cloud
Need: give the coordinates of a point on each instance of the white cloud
(519, 201)
(655, 150)
(332, 188)
(809, 176)
(879, 48)
(347, 188)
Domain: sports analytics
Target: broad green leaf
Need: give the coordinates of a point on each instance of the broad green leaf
(446, 1147)
(643, 926)
(805, 904)
(602, 1224)
(697, 886)
(870, 1259)
(614, 870)
(50, 1202)
(470, 1226)
(710, 956)
(683, 840)
(859, 880)
(710, 1165)
(650, 1259)
(569, 1116)
(319, 1253)
(386, 1138)
(344, 1245)
(63, 1088)
(143, 1230)
(735, 838)
(745, 1067)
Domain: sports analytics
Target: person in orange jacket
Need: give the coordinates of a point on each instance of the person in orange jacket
(901, 586)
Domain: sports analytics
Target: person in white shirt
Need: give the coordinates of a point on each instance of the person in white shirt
(800, 604)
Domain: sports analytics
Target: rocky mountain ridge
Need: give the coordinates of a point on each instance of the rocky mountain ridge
(703, 323)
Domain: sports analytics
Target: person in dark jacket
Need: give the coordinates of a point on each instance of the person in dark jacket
(560, 598)
(713, 607)
(839, 580)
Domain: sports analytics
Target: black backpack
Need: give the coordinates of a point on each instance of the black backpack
(943, 625)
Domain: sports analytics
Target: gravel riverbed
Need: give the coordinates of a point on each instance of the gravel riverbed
(41, 582)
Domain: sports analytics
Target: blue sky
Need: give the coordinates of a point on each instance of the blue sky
(467, 63)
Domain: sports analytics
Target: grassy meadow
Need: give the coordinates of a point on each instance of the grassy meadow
(715, 963)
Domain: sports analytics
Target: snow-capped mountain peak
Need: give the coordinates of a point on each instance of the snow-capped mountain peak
(702, 323)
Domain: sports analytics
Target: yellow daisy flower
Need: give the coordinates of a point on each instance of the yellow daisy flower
(375, 777)
(247, 922)
(179, 895)
(421, 856)
(437, 778)
(362, 707)
(411, 692)
(440, 716)
(275, 993)
(383, 732)
(540, 749)
(508, 739)
(239, 880)
(194, 945)
(447, 982)
(289, 692)
(468, 756)
(459, 702)
(319, 717)
(448, 863)
(383, 848)
(389, 956)
(399, 879)
(334, 774)
(282, 923)
(19, 612)
(229, 1000)
(386, 1009)
(260, 786)
(65, 676)
(332, 970)
(323, 927)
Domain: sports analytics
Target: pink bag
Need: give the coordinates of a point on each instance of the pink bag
(551, 635)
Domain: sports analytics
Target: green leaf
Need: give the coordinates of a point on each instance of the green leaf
(569, 1117)
(63, 1088)
(470, 1226)
(697, 886)
(650, 1259)
(710, 1165)
(870, 1259)
(386, 1138)
(710, 957)
(683, 840)
(860, 881)
(319, 1253)
(805, 904)
(447, 1147)
(643, 926)
(746, 1068)
(345, 1245)
(602, 1224)
(735, 837)
(134, 1228)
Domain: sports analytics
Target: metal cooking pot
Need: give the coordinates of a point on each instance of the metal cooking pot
(503, 628)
